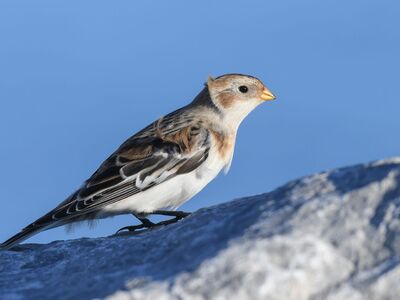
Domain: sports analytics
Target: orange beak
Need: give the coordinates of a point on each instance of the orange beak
(267, 95)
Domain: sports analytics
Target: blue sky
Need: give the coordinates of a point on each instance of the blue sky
(79, 77)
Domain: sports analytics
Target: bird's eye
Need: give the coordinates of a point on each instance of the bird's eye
(243, 89)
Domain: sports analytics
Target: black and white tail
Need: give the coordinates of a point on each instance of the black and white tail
(45, 222)
(25, 233)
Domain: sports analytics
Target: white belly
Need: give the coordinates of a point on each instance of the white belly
(171, 193)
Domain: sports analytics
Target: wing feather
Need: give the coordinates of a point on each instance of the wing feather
(172, 146)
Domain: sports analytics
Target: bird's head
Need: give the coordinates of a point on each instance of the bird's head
(237, 95)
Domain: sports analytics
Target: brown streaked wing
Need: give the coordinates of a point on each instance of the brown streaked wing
(140, 157)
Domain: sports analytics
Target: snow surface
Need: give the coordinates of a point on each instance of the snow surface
(334, 235)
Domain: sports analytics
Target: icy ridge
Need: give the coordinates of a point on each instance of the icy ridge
(333, 235)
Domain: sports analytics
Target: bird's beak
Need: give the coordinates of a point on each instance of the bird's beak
(267, 95)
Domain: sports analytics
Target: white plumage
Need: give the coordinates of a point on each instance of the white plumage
(165, 164)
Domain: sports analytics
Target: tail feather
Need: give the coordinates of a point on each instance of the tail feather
(25, 233)
(57, 217)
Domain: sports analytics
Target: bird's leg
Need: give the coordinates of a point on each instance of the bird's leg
(146, 223)
(177, 214)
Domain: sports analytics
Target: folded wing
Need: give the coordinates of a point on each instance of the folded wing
(160, 152)
(167, 148)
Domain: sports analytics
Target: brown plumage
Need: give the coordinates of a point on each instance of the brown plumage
(166, 163)
(224, 143)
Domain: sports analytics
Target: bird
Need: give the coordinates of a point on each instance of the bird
(165, 164)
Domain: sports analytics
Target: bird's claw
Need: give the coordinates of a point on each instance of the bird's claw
(183, 214)
(151, 225)
(131, 228)
(177, 214)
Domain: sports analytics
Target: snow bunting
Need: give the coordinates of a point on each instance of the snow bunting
(165, 164)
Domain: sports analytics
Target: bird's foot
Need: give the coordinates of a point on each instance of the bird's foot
(167, 222)
(177, 214)
(131, 228)
(147, 224)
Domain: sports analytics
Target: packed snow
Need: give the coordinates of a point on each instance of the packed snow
(333, 235)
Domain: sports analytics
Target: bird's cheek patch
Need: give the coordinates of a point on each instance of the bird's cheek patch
(226, 100)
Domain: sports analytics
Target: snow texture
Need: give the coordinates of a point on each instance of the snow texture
(334, 235)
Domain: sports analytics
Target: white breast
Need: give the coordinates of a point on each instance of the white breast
(171, 193)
